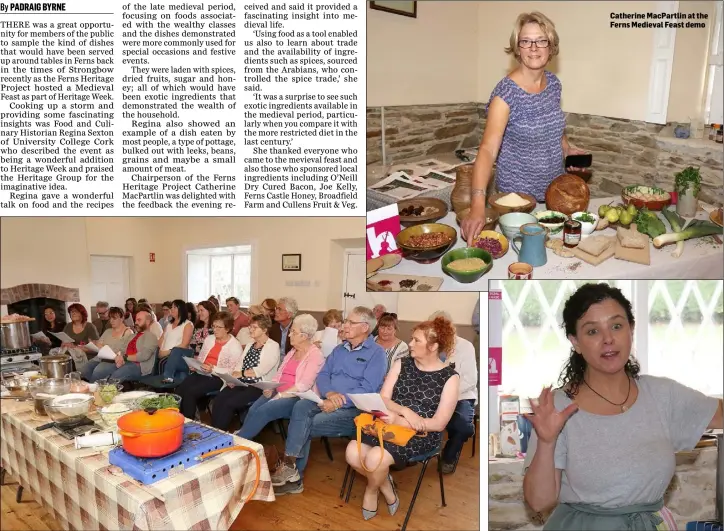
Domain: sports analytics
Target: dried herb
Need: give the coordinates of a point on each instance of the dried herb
(407, 283)
(424, 287)
(574, 266)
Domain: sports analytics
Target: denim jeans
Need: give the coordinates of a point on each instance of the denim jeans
(459, 429)
(97, 369)
(128, 371)
(263, 411)
(308, 422)
(175, 366)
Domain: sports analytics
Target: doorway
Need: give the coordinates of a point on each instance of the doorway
(111, 279)
(355, 287)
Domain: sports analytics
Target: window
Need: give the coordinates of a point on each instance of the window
(714, 96)
(220, 271)
(679, 331)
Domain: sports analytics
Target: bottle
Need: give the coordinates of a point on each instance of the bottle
(712, 132)
(571, 233)
(719, 135)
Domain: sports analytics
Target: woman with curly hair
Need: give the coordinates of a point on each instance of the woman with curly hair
(420, 392)
(79, 328)
(604, 442)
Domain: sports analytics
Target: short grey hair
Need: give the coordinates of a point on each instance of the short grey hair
(307, 324)
(290, 305)
(440, 313)
(366, 315)
(102, 304)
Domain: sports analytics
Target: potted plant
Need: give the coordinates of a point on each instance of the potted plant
(687, 184)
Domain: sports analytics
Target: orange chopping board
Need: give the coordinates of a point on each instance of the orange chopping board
(596, 260)
(639, 256)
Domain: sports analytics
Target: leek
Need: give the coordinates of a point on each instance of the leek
(697, 229)
(677, 223)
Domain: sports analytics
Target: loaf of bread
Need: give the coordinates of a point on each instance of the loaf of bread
(568, 194)
(631, 238)
(594, 245)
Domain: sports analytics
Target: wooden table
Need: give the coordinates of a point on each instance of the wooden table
(80, 490)
(702, 259)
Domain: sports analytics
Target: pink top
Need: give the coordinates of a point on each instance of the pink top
(289, 375)
(306, 372)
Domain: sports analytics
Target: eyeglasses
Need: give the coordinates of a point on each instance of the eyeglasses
(218, 327)
(525, 43)
(347, 321)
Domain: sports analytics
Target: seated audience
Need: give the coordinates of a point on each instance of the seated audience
(166, 309)
(241, 318)
(139, 356)
(155, 329)
(191, 314)
(103, 322)
(219, 350)
(297, 374)
(244, 336)
(259, 362)
(356, 366)
(269, 306)
(215, 301)
(284, 313)
(420, 392)
(202, 326)
(129, 317)
(117, 338)
(179, 330)
(387, 338)
(378, 310)
(331, 319)
(461, 427)
(50, 323)
(79, 329)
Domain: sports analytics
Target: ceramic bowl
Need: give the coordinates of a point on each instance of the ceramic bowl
(496, 236)
(506, 209)
(657, 204)
(553, 228)
(466, 277)
(510, 223)
(425, 255)
(587, 227)
(433, 210)
(490, 214)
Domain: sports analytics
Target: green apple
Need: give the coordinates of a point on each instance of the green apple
(612, 215)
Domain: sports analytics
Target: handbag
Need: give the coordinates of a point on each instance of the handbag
(391, 433)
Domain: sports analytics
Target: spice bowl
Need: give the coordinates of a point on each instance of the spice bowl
(466, 277)
(587, 227)
(501, 240)
(412, 241)
(553, 221)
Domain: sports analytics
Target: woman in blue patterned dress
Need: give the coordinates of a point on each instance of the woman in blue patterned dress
(420, 392)
(525, 124)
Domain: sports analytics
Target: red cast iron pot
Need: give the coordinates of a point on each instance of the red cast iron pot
(151, 432)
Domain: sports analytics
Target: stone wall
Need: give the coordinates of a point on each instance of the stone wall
(624, 151)
(690, 496)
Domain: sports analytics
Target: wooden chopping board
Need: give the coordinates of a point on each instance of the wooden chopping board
(640, 256)
(596, 260)
(394, 283)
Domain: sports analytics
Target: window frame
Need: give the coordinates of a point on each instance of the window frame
(208, 252)
(715, 63)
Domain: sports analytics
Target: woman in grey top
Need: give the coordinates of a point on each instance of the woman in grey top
(604, 442)
(117, 337)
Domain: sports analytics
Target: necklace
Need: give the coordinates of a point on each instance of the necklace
(623, 407)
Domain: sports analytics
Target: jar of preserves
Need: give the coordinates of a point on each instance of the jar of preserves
(571, 233)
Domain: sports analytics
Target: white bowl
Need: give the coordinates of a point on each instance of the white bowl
(587, 227)
(554, 229)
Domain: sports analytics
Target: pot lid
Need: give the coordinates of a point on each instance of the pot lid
(58, 358)
(151, 420)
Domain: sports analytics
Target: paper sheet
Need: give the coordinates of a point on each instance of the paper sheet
(229, 379)
(41, 336)
(309, 395)
(91, 347)
(369, 402)
(329, 340)
(266, 385)
(195, 364)
(65, 338)
(106, 353)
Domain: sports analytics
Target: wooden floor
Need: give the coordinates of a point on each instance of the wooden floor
(319, 506)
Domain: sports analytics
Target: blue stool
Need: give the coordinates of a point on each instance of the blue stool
(424, 459)
(703, 526)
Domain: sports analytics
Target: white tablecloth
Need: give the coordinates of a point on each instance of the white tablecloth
(702, 259)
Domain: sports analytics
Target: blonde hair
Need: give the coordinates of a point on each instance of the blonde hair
(546, 26)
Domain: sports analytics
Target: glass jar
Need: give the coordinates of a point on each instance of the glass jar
(571, 233)
(719, 135)
(712, 132)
